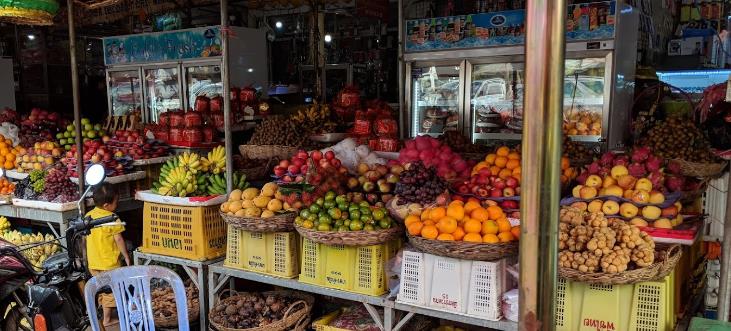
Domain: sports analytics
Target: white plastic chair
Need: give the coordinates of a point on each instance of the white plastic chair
(131, 289)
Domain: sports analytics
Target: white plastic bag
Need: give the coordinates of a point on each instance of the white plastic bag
(510, 305)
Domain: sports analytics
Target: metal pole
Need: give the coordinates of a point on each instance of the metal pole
(401, 67)
(724, 295)
(540, 183)
(226, 100)
(75, 93)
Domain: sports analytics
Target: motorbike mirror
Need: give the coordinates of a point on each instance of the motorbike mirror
(95, 174)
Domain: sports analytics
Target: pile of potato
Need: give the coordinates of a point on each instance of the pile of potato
(589, 242)
(163, 302)
(250, 310)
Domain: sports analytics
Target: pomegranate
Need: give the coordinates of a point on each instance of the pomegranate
(177, 119)
(216, 104)
(175, 135)
(192, 119)
(208, 133)
(192, 135)
(202, 103)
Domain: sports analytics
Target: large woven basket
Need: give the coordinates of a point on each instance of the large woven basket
(296, 318)
(665, 262)
(266, 152)
(696, 169)
(172, 320)
(351, 238)
(465, 250)
(283, 222)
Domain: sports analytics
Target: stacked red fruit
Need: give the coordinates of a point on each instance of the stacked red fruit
(311, 168)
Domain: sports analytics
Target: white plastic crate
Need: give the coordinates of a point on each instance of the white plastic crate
(714, 205)
(467, 287)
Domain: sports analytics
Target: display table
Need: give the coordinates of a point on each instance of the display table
(219, 276)
(196, 270)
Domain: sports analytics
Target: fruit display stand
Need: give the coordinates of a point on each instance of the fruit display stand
(196, 270)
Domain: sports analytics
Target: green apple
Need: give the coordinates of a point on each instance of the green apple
(97, 127)
(91, 134)
(70, 128)
(85, 121)
(67, 134)
(88, 127)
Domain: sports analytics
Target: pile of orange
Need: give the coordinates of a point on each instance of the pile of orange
(461, 221)
(503, 163)
(7, 153)
(6, 187)
(568, 173)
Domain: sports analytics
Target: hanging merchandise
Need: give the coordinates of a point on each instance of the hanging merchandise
(28, 12)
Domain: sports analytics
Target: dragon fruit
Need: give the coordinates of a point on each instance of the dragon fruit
(641, 154)
(653, 163)
(594, 168)
(621, 160)
(657, 179)
(674, 183)
(581, 179)
(607, 159)
(674, 168)
(637, 170)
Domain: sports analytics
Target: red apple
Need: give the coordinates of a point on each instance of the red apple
(482, 192)
(329, 155)
(324, 164)
(284, 163)
(298, 162)
(499, 184)
(496, 193)
(335, 163)
(279, 171)
(316, 155)
(287, 179)
(301, 154)
(293, 169)
(511, 182)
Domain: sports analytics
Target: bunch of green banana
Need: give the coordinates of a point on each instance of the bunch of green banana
(216, 185)
(177, 181)
(240, 182)
(190, 161)
(4, 224)
(215, 162)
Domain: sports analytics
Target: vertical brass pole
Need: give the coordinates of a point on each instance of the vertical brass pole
(228, 143)
(401, 75)
(540, 182)
(75, 94)
(724, 297)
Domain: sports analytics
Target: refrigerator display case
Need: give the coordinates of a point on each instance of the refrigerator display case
(598, 84)
(167, 70)
(335, 77)
(125, 91)
(436, 97)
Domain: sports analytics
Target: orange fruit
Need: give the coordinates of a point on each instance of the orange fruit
(565, 164)
(8, 165)
(517, 173)
(514, 156)
(489, 227)
(501, 161)
(10, 157)
(455, 211)
(512, 164)
(437, 213)
(473, 226)
(445, 237)
(503, 151)
(505, 173)
(447, 225)
(459, 203)
(503, 224)
(495, 212)
(429, 232)
(505, 237)
(458, 234)
(425, 214)
(472, 237)
(490, 159)
(470, 206)
(428, 222)
(490, 239)
(515, 231)
(495, 170)
(480, 165)
(480, 214)
(415, 228)
(411, 219)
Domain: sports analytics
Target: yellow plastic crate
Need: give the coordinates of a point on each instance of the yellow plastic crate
(322, 323)
(274, 253)
(195, 233)
(353, 269)
(644, 306)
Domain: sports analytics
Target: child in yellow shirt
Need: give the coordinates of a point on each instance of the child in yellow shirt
(105, 244)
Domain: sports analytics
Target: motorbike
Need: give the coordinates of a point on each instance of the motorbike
(52, 298)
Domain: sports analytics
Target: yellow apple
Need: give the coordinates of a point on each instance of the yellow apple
(610, 207)
(595, 206)
(628, 210)
(638, 222)
(593, 181)
(679, 205)
(580, 205)
(628, 194)
(662, 223)
(651, 212)
(641, 196)
(609, 181)
(669, 212)
(643, 184)
(626, 182)
(677, 220)
(575, 191)
(587, 192)
(614, 190)
(657, 197)
(619, 171)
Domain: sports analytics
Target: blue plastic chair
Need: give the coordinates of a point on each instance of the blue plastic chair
(132, 293)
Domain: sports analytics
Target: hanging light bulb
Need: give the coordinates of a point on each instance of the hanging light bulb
(328, 38)
(278, 24)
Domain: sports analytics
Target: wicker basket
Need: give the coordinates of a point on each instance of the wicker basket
(296, 318)
(465, 250)
(171, 321)
(665, 262)
(695, 169)
(255, 173)
(266, 152)
(688, 197)
(351, 238)
(283, 222)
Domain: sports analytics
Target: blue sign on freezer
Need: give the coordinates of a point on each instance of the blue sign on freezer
(163, 46)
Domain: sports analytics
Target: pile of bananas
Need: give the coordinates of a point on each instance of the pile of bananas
(315, 118)
(215, 162)
(4, 224)
(36, 254)
(176, 181)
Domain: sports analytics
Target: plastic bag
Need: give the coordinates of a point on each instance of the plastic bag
(386, 127)
(510, 305)
(393, 274)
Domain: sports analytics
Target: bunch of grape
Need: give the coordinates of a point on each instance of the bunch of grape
(37, 181)
(419, 184)
(59, 188)
(23, 188)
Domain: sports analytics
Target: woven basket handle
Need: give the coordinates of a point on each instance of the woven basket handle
(289, 310)
(228, 291)
(670, 252)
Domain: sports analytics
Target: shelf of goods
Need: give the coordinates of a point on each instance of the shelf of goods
(196, 270)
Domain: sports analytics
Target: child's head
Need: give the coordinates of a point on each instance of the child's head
(106, 197)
